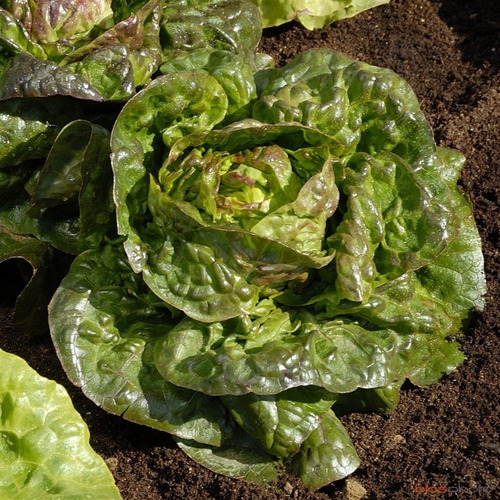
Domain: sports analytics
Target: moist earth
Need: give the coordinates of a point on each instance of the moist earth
(445, 435)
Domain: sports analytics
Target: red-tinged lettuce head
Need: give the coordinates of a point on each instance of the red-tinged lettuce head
(106, 50)
(292, 239)
(89, 49)
(50, 21)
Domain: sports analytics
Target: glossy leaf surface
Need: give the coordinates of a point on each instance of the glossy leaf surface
(104, 324)
(327, 455)
(311, 13)
(276, 353)
(242, 458)
(282, 422)
(79, 49)
(44, 443)
(229, 25)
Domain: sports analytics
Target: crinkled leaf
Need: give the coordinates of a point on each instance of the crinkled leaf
(212, 273)
(284, 421)
(241, 457)
(27, 76)
(52, 20)
(220, 283)
(301, 224)
(402, 304)
(109, 70)
(311, 13)
(230, 25)
(232, 71)
(44, 443)
(191, 276)
(172, 106)
(456, 278)
(274, 353)
(327, 455)
(104, 323)
(28, 128)
(81, 51)
(398, 219)
(30, 77)
(136, 36)
(363, 107)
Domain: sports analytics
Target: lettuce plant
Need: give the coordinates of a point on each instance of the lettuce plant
(295, 246)
(90, 49)
(311, 13)
(44, 443)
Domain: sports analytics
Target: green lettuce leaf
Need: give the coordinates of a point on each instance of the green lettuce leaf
(276, 352)
(104, 323)
(136, 45)
(365, 108)
(28, 128)
(44, 443)
(284, 421)
(80, 49)
(241, 457)
(174, 104)
(31, 306)
(381, 400)
(311, 13)
(67, 202)
(50, 21)
(229, 25)
(397, 220)
(402, 304)
(456, 277)
(232, 71)
(13, 34)
(327, 455)
(27, 76)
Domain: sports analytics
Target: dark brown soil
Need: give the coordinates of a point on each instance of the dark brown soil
(444, 435)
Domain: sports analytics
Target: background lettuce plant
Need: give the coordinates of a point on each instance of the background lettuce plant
(44, 443)
(95, 49)
(55, 175)
(311, 13)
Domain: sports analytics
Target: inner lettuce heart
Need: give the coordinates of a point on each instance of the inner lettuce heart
(321, 185)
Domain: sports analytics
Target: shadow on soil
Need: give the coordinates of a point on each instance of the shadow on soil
(481, 42)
